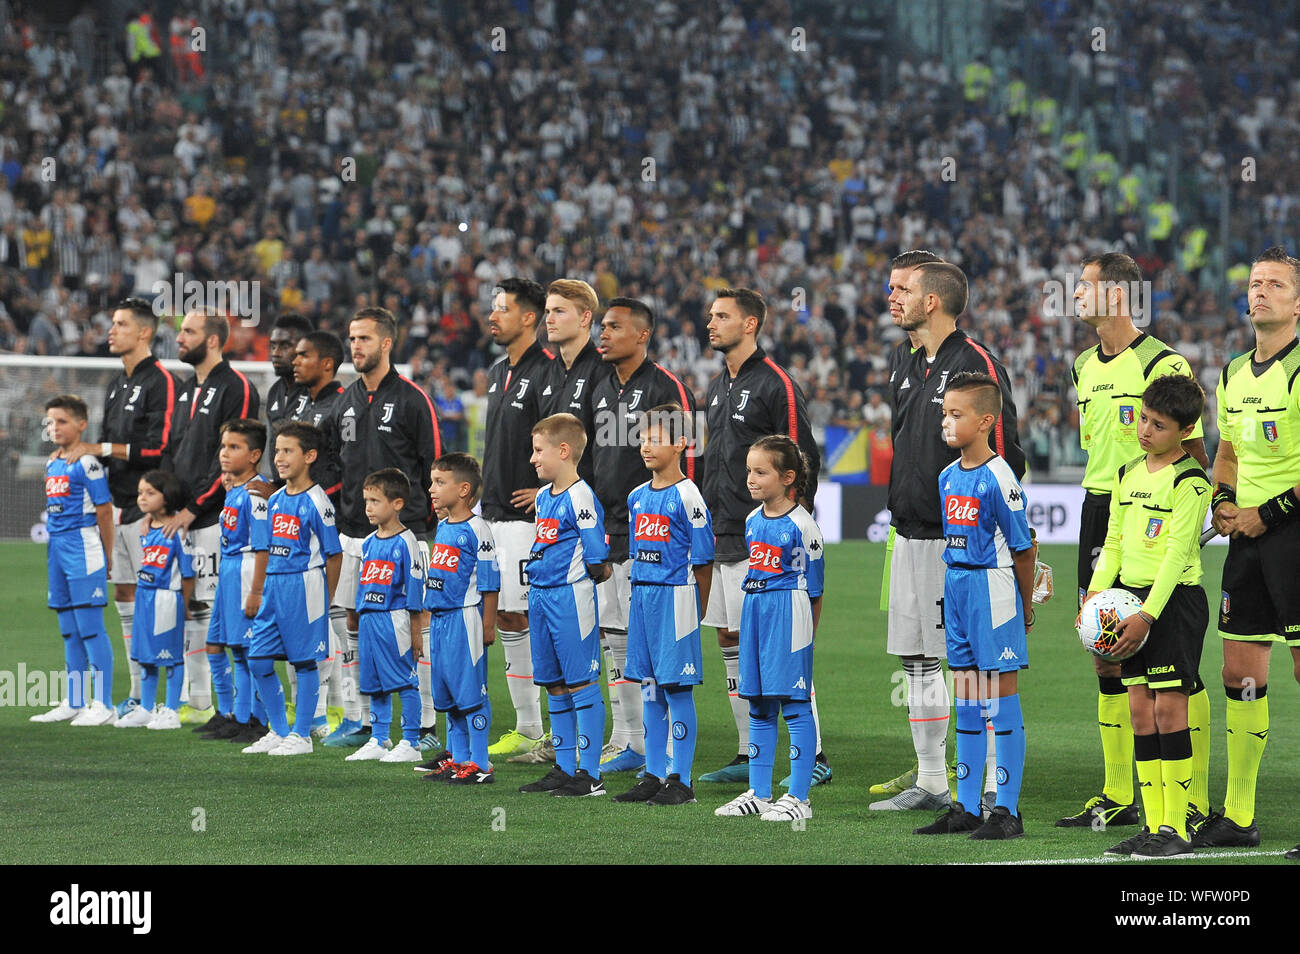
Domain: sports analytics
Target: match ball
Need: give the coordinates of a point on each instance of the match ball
(1099, 618)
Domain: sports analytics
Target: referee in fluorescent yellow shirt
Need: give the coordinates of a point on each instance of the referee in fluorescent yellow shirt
(1110, 379)
(1256, 471)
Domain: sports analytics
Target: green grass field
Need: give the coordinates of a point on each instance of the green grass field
(105, 796)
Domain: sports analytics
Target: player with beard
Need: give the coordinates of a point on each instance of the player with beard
(619, 399)
(510, 486)
(384, 420)
(752, 397)
(285, 390)
(216, 394)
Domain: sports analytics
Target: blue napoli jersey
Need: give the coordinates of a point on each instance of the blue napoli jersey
(243, 521)
(391, 575)
(302, 531)
(785, 552)
(462, 565)
(670, 530)
(570, 534)
(164, 561)
(73, 488)
(983, 514)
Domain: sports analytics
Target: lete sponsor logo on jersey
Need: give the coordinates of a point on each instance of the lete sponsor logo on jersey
(765, 557)
(154, 556)
(285, 525)
(963, 511)
(377, 573)
(57, 486)
(652, 527)
(230, 517)
(548, 530)
(444, 557)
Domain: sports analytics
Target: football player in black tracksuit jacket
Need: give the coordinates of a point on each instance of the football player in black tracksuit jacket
(632, 385)
(570, 308)
(750, 398)
(284, 392)
(316, 358)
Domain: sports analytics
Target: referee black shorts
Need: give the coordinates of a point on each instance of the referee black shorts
(1092, 537)
(1171, 656)
(1261, 594)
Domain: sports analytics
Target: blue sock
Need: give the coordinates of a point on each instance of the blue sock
(381, 716)
(175, 683)
(681, 706)
(589, 707)
(411, 711)
(654, 716)
(76, 664)
(564, 731)
(972, 747)
(148, 685)
(762, 745)
(803, 746)
(259, 707)
(458, 736)
(272, 694)
(222, 681)
(480, 723)
(1009, 728)
(308, 696)
(241, 684)
(99, 650)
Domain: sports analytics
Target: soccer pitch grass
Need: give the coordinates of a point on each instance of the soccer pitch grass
(109, 797)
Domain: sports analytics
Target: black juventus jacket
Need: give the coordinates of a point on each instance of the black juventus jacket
(393, 426)
(323, 412)
(617, 461)
(201, 409)
(139, 410)
(281, 398)
(761, 399)
(514, 406)
(916, 390)
(570, 390)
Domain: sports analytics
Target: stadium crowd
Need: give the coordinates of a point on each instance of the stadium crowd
(413, 155)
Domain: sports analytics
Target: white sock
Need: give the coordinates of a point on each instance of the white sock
(126, 612)
(610, 669)
(351, 697)
(990, 759)
(519, 679)
(739, 706)
(428, 714)
(927, 708)
(198, 672)
(817, 719)
(628, 728)
(331, 677)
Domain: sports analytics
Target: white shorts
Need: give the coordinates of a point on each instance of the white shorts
(614, 597)
(514, 541)
(205, 550)
(726, 595)
(127, 553)
(916, 574)
(345, 594)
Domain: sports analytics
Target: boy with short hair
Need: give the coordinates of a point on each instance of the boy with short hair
(1153, 547)
(79, 519)
(461, 595)
(670, 537)
(987, 608)
(302, 569)
(569, 557)
(241, 576)
(390, 613)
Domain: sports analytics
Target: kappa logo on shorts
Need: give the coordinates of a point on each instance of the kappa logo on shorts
(688, 669)
(98, 594)
(1007, 654)
(321, 647)
(800, 684)
(595, 665)
(57, 486)
(166, 654)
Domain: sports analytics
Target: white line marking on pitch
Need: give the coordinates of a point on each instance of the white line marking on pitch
(1112, 859)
